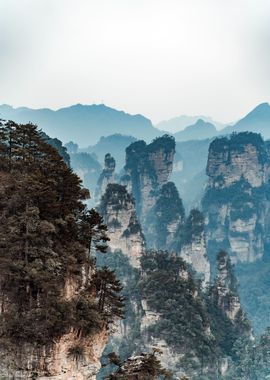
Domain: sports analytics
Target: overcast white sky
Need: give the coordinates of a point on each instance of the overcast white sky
(160, 58)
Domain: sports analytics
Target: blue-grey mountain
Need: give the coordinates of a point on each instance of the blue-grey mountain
(258, 120)
(83, 124)
(198, 131)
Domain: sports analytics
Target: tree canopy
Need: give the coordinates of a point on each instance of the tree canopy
(46, 235)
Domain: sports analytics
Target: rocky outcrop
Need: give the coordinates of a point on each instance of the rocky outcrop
(118, 210)
(55, 363)
(168, 357)
(148, 168)
(71, 357)
(241, 156)
(193, 246)
(169, 291)
(236, 203)
(86, 167)
(166, 219)
(107, 176)
(52, 324)
(225, 292)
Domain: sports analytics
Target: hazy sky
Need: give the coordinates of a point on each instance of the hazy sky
(161, 58)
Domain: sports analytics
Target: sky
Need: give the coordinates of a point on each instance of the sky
(159, 58)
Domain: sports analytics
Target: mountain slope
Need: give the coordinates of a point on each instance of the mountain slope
(198, 131)
(83, 124)
(258, 120)
(116, 145)
(179, 123)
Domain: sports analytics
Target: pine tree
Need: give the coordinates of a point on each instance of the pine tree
(45, 235)
(93, 231)
(109, 288)
(141, 367)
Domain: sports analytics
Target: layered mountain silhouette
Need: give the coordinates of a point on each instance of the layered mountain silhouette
(83, 124)
(115, 144)
(86, 124)
(198, 131)
(179, 123)
(258, 120)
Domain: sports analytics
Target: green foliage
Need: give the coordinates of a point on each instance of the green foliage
(108, 288)
(224, 264)
(115, 196)
(45, 235)
(134, 227)
(222, 196)
(142, 367)
(128, 276)
(252, 359)
(165, 142)
(194, 227)
(114, 358)
(237, 142)
(221, 298)
(107, 172)
(93, 232)
(86, 316)
(57, 144)
(139, 163)
(109, 161)
(168, 209)
(243, 201)
(170, 291)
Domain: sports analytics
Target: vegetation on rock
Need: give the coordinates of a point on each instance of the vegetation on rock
(45, 237)
(168, 211)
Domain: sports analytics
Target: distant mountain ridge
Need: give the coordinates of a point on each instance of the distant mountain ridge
(258, 120)
(198, 131)
(115, 144)
(86, 124)
(179, 123)
(83, 124)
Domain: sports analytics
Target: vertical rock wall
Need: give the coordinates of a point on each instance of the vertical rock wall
(107, 176)
(148, 168)
(236, 201)
(118, 210)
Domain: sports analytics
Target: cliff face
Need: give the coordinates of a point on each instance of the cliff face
(107, 176)
(227, 300)
(52, 300)
(72, 356)
(168, 356)
(231, 160)
(193, 247)
(170, 294)
(226, 295)
(118, 210)
(236, 203)
(86, 167)
(54, 363)
(166, 219)
(148, 168)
